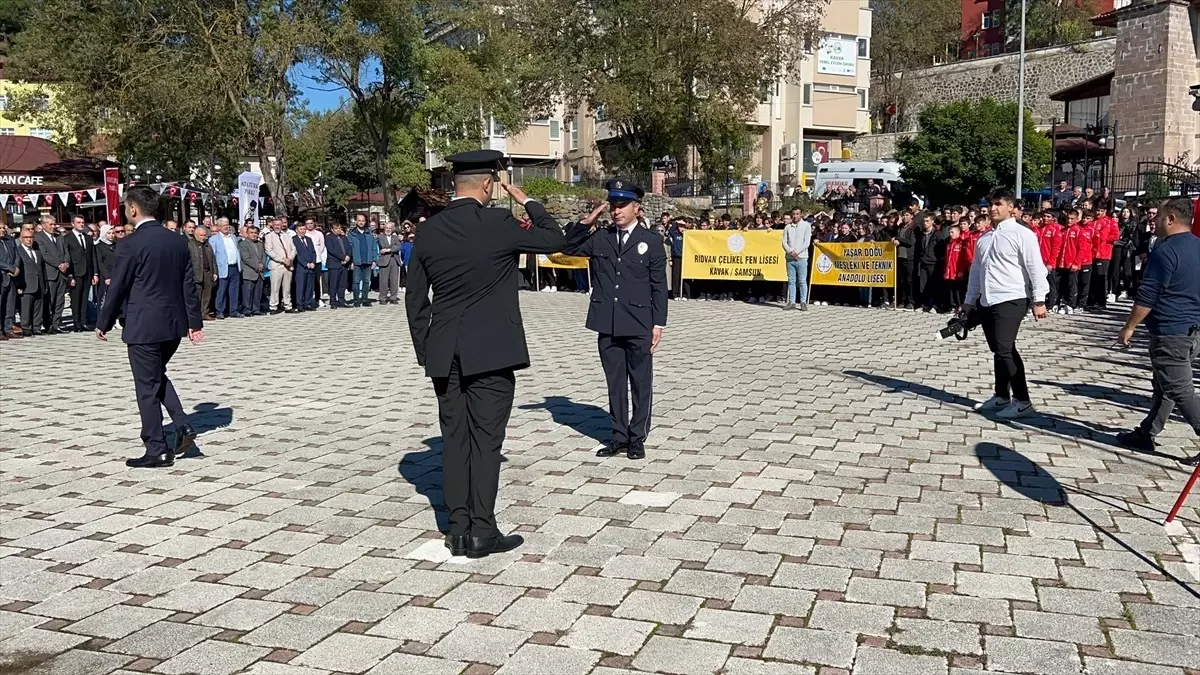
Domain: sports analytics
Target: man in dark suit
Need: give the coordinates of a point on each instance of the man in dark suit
(204, 269)
(628, 309)
(10, 267)
(472, 340)
(31, 284)
(338, 260)
(154, 284)
(254, 261)
(306, 271)
(81, 255)
(56, 267)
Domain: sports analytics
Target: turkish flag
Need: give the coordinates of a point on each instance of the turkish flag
(79, 196)
(192, 198)
(1196, 217)
(112, 196)
(172, 191)
(48, 199)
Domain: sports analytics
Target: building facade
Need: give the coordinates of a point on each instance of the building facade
(9, 125)
(981, 26)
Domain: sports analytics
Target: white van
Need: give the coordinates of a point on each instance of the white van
(846, 173)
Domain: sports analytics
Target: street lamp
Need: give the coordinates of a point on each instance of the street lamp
(1021, 104)
(728, 187)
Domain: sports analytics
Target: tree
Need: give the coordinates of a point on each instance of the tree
(966, 149)
(1049, 23)
(330, 148)
(670, 78)
(907, 35)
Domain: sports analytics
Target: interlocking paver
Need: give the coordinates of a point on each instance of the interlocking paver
(855, 495)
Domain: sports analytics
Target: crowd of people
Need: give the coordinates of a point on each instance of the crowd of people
(238, 273)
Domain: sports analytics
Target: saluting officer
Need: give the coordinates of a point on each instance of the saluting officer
(628, 309)
(470, 338)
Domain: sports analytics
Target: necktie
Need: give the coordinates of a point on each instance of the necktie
(621, 239)
(80, 238)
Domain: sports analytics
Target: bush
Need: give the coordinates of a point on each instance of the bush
(545, 187)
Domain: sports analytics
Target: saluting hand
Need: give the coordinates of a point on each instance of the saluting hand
(517, 193)
(591, 217)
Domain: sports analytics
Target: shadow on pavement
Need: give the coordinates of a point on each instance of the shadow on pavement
(585, 418)
(204, 417)
(423, 470)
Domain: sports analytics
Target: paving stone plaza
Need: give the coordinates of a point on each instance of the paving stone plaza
(817, 497)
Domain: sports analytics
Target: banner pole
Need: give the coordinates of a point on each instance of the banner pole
(811, 264)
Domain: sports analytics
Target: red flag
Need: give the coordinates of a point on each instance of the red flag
(192, 198)
(235, 201)
(79, 196)
(20, 199)
(48, 198)
(172, 191)
(112, 196)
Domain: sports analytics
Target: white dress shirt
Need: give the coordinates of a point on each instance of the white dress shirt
(1008, 266)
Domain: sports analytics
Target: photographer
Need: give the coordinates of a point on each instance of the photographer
(1168, 300)
(1006, 276)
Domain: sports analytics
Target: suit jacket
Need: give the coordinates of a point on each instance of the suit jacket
(105, 255)
(32, 278)
(82, 257)
(254, 259)
(279, 248)
(392, 243)
(306, 252)
(52, 253)
(468, 255)
(629, 297)
(204, 262)
(8, 255)
(154, 286)
(337, 248)
(217, 243)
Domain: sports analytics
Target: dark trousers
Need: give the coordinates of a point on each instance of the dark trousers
(1085, 287)
(155, 391)
(229, 292)
(304, 288)
(927, 285)
(362, 283)
(101, 291)
(958, 292)
(1099, 296)
(252, 294)
(1000, 325)
(337, 286)
(205, 289)
(1171, 359)
(54, 301)
(473, 412)
(8, 302)
(904, 282)
(320, 281)
(680, 287)
(79, 300)
(1069, 288)
(1052, 284)
(628, 366)
(32, 312)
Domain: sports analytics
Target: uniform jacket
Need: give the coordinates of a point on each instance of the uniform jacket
(1107, 234)
(392, 243)
(972, 240)
(956, 259)
(82, 258)
(217, 242)
(629, 296)
(32, 278)
(154, 286)
(1072, 237)
(337, 248)
(280, 249)
(1086, 254)
(254, 259)
(468, 255)
(364, 249)
(1050, 241)
(51, 252)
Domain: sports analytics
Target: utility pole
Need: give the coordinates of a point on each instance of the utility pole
(1021, 105)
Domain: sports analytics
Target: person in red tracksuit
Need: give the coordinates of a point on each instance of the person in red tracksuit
(1107, 234)
(1050, 241)
(1087, 256)
(1068, 262)
(982, 224)
(957, 267)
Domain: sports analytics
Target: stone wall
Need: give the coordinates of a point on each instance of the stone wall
(567, 209)
(1046, 71)
(875, 147)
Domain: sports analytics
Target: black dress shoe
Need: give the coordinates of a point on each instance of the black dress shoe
(151, 461)
(636, 452)
(185, 438)
(610, 450)
(290, 311)
(457, 543)
(1194, 460)
(1136, 439)
(478, 547)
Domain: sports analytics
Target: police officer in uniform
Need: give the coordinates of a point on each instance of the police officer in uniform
(628, 309)
(470, 338)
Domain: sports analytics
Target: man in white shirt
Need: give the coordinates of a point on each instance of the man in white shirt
(1008, 274)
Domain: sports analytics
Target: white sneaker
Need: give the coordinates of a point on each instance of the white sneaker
(1058, 310)
(1124, 296)
(992, 404)
(554, 289)
(1016, 409)
(1068, 311)
(1112, 297)
(546, 290)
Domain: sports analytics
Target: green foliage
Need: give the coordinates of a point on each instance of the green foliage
(1157, 188)
(13, 16)
(966, 149)
(330, 148)
(803, 202)
(1049, 23)
(541, 188)
(907, 35)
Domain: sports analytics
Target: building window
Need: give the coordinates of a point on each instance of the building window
(575, 177)
(42, 133)
(864, 48)
(575, 135)
(986, 21)
(41, 102)
(3, 102)
(862, 99)
(996, 48)
(7, 131)
(555, 132)
(497, 129)
(997, 18)
(600, 114)
(808, 94)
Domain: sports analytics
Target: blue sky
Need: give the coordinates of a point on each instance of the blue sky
(320, 97)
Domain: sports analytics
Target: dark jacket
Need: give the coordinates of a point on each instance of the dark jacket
(52, 253)
(154, 285)
(925, 248)
(629, 297)
(105, 254)
(32, 278)
(82, 257)
(468, 255)
(306, 254)
(337, 246)
(204, 263)
(364, 248)
(907, 236)
(8, 255)
(254, 258)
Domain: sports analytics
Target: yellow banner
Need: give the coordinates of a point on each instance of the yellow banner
(864, 264)
(563, 262)
(734, 255)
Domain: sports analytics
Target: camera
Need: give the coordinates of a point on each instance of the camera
(960, 325)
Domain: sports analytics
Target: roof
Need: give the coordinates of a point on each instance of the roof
(26, 154)
(1097, 86)
(30, 155)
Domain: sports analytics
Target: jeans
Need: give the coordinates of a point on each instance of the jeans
(362, 283)
(1171, 358)
(1000, 325)
(229, 292)
(797, 271)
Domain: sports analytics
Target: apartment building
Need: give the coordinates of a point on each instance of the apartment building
(981, 28)
(808, 115)
(10, 126)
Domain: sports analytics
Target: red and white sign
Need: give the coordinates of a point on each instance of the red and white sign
(112, 197)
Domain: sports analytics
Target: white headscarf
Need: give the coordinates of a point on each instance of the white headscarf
(104, 231)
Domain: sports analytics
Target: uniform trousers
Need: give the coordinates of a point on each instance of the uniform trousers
(1069, 288)
(680, 287)
(1052, 284)
(155, 391)
(281, 288)
(1100, 283)
(1171, 359)
(628, 366)
(1085, 286)
(473, 412)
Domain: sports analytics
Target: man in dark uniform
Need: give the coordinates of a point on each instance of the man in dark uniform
(628, 309)
(470, 338)
(154, 287)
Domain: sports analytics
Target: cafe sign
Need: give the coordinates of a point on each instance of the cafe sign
(20, 179)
